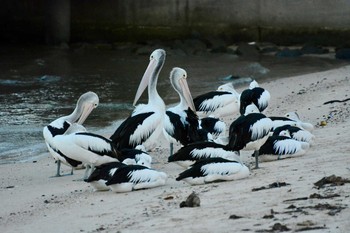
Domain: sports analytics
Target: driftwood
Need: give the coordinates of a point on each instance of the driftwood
(336, 101)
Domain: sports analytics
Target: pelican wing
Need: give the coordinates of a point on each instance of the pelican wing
(121, 136)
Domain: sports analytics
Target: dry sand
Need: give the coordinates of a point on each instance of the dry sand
(33, 202)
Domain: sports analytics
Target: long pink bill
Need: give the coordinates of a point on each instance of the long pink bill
(145, 80)
(187, 94)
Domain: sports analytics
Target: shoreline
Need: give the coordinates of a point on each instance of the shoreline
(33, 202)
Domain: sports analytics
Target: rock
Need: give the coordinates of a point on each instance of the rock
(191, 201)
(343, 53)
(286, 52)
(247, 50)
(313, 49)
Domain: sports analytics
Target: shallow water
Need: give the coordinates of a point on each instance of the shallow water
(39, 84)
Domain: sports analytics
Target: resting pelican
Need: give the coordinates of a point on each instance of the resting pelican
(256, 95)
(181, 121)
(86, 103)
(145, 125)
(220, 103)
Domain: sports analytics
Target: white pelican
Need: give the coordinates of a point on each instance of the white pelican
(220, 103)
(145, 125)
(256, 95)
(249, 131)
(86, 103)
(213, 169)
(181, 121)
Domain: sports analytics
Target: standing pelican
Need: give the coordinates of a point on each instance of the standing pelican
(145, 124)
(86, 103)
(250, 131)
(181, 122)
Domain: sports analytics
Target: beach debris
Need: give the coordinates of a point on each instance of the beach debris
(191, 201)
(233, 216)
(270, 186)
(308, 225)
(323, 123)
(277, 227)
(313, 196)
(333, 180)
(336, 101)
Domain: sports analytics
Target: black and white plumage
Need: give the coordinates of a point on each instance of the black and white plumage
(220, 103)
(101, 174)
(181, 122)
(88, 148)
(213, 125)
(135, 156)
(64, 125)
(280, 147)
(145, 125)
(295, 133)
(256, 95)
(213, 169)
(189, 154)
(134, 177)
(249, 131)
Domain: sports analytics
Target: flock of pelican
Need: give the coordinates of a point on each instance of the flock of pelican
(122, 162)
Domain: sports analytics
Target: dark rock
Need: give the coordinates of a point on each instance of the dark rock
(233, 216)
(247, 50)
(286, 52)
(191, 201)
(313, 49)
(343, 53)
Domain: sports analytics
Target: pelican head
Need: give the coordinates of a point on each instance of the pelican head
(251, 108)
(253, 84)
(156, 62)
(178, 78)
(86, 103)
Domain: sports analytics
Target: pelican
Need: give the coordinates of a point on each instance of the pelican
(295, 117)
(181, 122)
(296, 133)
(249, 131)
(134, 177)
(86, 103)
(193, 152)
(145, 125)
(220, 103)
(213, 169)
(256, 95)
(279, 147)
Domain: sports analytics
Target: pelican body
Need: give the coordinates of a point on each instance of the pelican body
(256, 95)
(220, 103)
(134, 177)
(193, 152)
(279, 147)
(213, 169)
(250, 131)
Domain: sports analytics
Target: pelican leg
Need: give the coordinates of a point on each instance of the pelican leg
(256, 155)
(58, 172)
(71, 172)
(171, 148)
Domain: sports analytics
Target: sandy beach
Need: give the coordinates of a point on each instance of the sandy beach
(31, 201)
